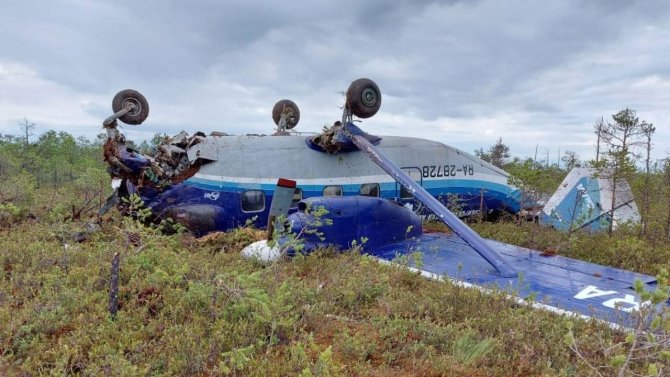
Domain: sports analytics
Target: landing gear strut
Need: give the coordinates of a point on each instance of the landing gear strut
(130, 107)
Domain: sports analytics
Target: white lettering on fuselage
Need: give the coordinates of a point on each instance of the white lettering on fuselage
(214, 195)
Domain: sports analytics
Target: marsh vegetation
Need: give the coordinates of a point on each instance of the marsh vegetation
(190, 306)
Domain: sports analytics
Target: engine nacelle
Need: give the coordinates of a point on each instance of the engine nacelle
(341, 221)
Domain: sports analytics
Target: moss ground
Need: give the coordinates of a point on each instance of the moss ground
(195, 307)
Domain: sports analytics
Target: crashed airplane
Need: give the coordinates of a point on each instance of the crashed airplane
(359, 182)
(219, 182)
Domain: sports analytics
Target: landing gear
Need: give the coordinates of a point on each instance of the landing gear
(363, 98)
(130, 107)
(286, 115)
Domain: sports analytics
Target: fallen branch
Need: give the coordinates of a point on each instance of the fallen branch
(114, 287)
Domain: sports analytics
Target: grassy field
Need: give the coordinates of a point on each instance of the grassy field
(195, 307)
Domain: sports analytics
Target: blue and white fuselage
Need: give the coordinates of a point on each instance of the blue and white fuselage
(239, 174)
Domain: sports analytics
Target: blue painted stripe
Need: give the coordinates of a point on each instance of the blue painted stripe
(388, 189)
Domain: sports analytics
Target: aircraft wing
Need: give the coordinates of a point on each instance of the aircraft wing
(554, 282)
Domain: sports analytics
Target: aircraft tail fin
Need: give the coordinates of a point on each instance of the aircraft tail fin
(584, 201)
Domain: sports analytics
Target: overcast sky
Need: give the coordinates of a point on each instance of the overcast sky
(462, 72)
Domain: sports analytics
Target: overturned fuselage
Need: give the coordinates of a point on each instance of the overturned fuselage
(218, 182)
(230, 179)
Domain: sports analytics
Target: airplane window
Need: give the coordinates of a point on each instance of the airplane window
(332, 191)
(405, 194)
(253, 201)
(416, 175)
(370, 189)
(297, 197)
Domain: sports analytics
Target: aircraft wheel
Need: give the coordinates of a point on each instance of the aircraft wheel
(128, 96)
(364, 98)
(279, 108)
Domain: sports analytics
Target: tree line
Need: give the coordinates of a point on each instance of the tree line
(623, 151)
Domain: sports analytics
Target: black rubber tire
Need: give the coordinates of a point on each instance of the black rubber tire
(364, 98)
(279, 108)
(141, 111)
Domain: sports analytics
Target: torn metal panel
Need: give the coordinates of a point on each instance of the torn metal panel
(332, 140)
(141, 174)
(204, 150)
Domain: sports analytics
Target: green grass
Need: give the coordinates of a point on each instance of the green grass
(624, 249)
(195, 307)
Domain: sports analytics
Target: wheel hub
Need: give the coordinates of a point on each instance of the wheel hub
(136, 106)
(369, 97)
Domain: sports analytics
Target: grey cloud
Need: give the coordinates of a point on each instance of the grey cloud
(220, 64)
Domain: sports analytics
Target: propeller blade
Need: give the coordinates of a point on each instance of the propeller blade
(281, 202)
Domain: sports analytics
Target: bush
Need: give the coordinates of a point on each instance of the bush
(9, 214)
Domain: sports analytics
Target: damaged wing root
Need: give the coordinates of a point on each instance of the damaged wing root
(327, 140)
